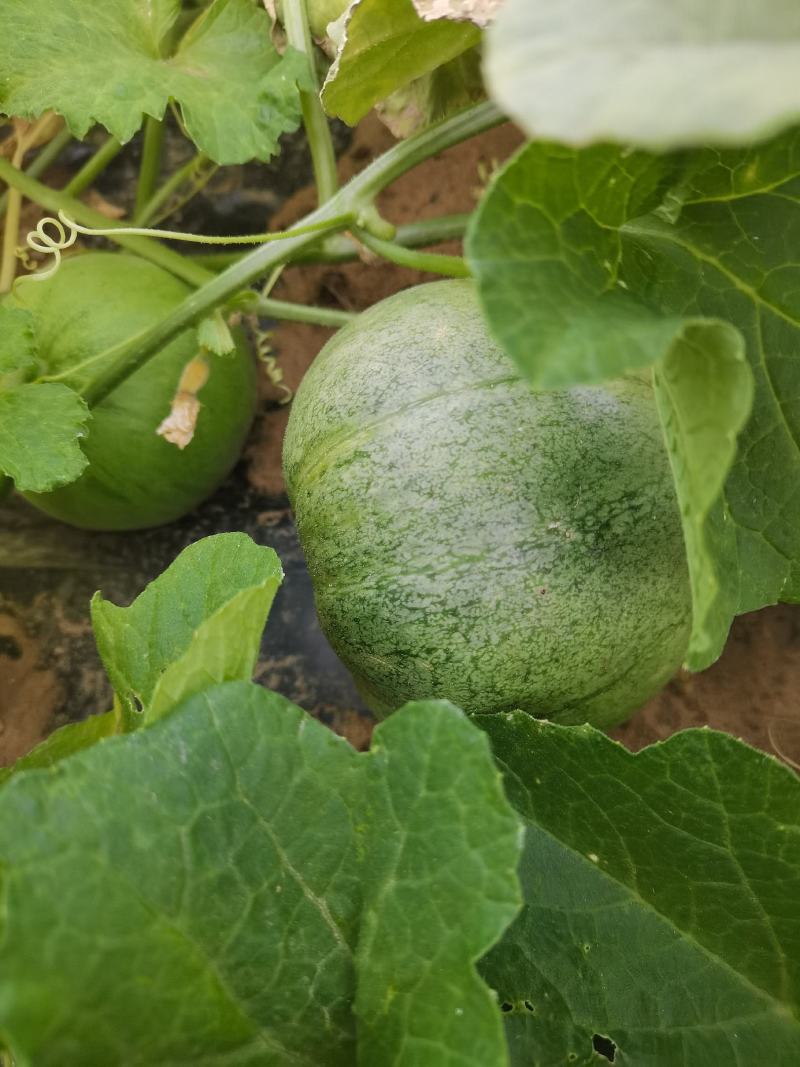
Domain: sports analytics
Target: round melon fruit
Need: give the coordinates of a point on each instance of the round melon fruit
(135, 478)
(471, 539)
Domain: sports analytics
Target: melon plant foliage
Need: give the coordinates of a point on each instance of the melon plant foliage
(205, 874)
(293, 901)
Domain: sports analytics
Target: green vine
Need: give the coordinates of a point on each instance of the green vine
(433, 262)
(337, 214)
(295, 23)
(52, 236)
(150, 167)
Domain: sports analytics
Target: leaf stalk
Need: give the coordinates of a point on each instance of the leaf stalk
(323, 159)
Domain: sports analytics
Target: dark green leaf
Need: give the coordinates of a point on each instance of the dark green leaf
(661, 898)
(220, 887)
(647, 72)
(386, 45)
(40, 430)
(94, 61)
(198, 623)
(571, 280)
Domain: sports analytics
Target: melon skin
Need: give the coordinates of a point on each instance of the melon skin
(473, 540)
(135, 479)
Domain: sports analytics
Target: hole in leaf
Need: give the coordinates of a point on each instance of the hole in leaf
(528, 1005)
(605, 1046)
(506, 1006)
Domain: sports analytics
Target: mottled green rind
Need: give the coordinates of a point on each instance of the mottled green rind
(135, 478)
(237, 886)
(661, 900)
(470, 539)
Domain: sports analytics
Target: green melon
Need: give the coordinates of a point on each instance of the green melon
(471, 539)
(135, 478)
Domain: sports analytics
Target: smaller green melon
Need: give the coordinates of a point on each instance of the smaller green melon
(471, 539)
(135, 478)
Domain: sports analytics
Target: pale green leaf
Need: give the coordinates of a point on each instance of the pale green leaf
(220, 889)
(238, 96)
(40, 431)
(661, 898)
(198, 623)
(94, 61)
(63, 742)
(214, 334)
(647, 72)
(386, 45)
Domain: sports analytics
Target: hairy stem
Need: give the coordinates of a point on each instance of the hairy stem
(47, 155)
(8, 259)
(150, 166)
(211, 295)
(339, 213)
(315, 316)
(93, 167)
(410, 153)
(295, 22)
(432, 262)
(189, 270)
(343, 249)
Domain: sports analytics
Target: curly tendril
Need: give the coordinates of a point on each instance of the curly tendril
(53, 235)
(40, 240)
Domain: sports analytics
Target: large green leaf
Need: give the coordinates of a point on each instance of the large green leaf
(40, 424)
(386, 45)
(578, 288)
(647, 72)
(198, 623)
(218, 889)
(17, 346)
(94, 61)
(40, 430)
(661, 900)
